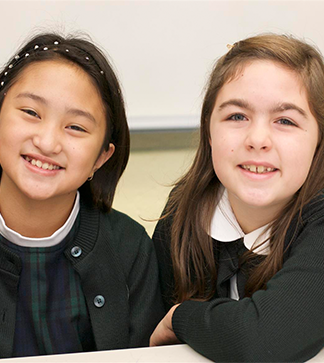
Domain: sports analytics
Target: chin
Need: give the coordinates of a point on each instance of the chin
(259, 201)
(38, 195)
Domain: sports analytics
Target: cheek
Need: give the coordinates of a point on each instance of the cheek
(220, 155)
(298, 161)
(223, 146)
(222, 170)
(302, 165)
(13, 132)
(86, 155)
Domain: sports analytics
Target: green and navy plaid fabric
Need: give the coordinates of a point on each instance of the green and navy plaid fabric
(52, 315)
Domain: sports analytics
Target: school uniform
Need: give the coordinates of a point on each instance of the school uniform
(284, 323)
(97, 289)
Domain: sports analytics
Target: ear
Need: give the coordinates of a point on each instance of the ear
(104, 156)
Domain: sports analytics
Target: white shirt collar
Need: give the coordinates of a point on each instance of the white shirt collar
(52, 240)
(225, 227)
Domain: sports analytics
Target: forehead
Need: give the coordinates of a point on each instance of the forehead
(263, 79)
(47, 76)
(46, 68)
(236, 70)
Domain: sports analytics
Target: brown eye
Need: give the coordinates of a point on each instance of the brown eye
(30, 112)
(76, 128)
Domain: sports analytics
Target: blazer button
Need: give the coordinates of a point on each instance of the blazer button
(76, 251)
(99, 301)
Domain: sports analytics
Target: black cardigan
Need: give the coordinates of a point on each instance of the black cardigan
(117, 262)
(284, 323)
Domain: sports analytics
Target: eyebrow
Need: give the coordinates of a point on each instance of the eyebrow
(285, 106)
(32, 96)
(236, 102)
(289, 106)
(71, 111)
(78, 112)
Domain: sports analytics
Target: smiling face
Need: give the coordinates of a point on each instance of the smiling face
(263, 138)
(52, 127)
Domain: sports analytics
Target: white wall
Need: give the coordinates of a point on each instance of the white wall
(162, 50)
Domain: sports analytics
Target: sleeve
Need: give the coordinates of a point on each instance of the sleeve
(283, 323)
(162, 239)
(145, 302)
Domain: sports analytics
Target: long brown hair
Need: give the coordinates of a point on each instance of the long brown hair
(194, 198)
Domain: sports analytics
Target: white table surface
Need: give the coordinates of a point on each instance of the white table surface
(167, 354)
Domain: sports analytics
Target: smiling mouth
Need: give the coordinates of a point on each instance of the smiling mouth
(40, 164)
(258, 169)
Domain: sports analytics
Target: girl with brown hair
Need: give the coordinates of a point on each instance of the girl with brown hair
(241, 241)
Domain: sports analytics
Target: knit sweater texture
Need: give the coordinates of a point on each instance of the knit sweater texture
(117, 262)
(284, 323)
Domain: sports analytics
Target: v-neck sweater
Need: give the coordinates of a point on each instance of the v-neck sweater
(116, 262)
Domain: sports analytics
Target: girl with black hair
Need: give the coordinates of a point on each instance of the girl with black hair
(75, 275)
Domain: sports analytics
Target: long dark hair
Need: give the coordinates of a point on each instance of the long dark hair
(194, 198)
(85, 54)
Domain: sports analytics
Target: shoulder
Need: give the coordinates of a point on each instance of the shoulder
(311, 212)
(113, 228)
(314, 209)
(122, 224)
(122, 229)
(126, 237)
(163, 227)
(307, 229)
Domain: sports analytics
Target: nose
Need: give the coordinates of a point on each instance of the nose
(47, 140)
(258, 137)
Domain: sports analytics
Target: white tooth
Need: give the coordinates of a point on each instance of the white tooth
(39, 163)
(45, 166)
(28, 158)
(261, 169)
(33, 162)
(269, 169)
(50, 167)
(253, 168)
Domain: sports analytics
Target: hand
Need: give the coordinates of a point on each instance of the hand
(163, 333)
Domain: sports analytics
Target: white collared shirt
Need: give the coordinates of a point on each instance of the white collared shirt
(54, 239)
(225, 228)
